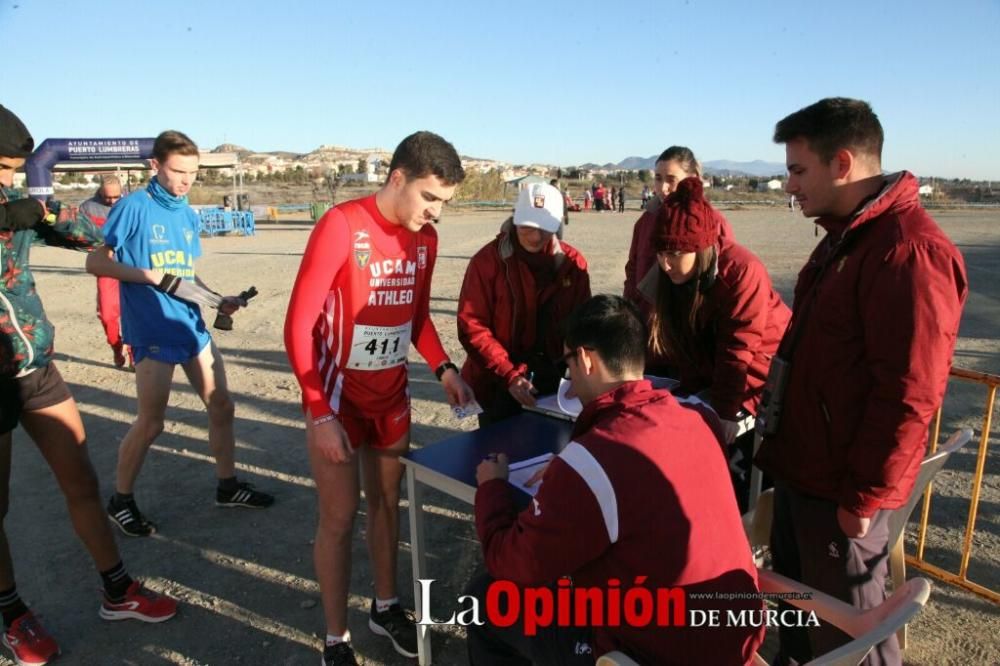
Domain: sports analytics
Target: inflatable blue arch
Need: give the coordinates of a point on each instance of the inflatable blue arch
(38, 167)
(81, 152)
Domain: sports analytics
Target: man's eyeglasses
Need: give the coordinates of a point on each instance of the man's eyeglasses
(565, 358)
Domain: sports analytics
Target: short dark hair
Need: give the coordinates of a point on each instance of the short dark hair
(612, 327)
(425, 154)
(171, 142)
(684, 157)
(833, 124)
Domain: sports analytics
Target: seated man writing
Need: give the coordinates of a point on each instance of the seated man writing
(641, 496)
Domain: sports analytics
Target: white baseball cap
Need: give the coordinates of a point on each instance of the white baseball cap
(540, 206)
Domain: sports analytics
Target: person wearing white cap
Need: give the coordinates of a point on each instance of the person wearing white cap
(516, 290)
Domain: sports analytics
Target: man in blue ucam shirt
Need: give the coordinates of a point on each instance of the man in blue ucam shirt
(151, 242)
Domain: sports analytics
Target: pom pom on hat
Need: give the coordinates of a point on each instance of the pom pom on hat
(686, 222)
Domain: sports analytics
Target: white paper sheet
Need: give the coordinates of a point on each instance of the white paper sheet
(571, 406)
(523, 470)
(560, 405)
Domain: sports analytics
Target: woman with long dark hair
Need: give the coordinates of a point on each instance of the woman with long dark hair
(716, 318)
(672, 166)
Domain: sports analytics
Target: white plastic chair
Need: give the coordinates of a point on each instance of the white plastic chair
(757, 522)
(868, 628)
(929, 468)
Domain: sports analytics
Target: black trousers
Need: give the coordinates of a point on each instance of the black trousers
(489, 645)
(807, 545)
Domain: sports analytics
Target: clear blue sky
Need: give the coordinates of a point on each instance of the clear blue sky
(551, 82)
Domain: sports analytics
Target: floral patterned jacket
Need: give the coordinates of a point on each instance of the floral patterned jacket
(26, 334)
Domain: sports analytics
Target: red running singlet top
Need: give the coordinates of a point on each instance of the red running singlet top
(361, 296)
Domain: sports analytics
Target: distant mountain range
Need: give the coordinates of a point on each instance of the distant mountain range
(711, 168)
(758, 168)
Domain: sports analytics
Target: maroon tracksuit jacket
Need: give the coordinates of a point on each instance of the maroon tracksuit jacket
(872, 362)
(641, 490)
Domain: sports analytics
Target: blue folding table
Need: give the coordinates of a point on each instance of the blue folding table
(450, 466)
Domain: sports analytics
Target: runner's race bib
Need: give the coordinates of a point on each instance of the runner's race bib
(379, 347)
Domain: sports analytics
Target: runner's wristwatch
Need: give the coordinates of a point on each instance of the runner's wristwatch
(444, 367)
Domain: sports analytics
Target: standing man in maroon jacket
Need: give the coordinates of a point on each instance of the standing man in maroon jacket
(640, 497)
(865, 363)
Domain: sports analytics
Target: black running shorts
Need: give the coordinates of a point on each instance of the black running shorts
(10, 404)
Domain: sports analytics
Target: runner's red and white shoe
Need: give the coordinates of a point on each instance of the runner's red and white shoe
(139, 604)
(30, 643)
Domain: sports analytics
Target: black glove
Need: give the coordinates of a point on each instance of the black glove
(188, 291)
(21, 214)
(224, 322)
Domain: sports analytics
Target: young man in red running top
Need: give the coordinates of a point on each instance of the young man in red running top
(361, 296)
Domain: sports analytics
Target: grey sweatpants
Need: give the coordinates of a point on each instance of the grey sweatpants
(807, 545)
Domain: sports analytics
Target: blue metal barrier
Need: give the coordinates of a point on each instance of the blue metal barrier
(215, 221)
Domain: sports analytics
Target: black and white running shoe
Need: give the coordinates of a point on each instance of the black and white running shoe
(398, 626)
(129, 519)
(340, 654)
(243, 495)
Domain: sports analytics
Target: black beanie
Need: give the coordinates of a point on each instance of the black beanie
(15, 139)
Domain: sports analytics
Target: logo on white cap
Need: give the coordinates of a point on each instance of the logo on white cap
(540, 206)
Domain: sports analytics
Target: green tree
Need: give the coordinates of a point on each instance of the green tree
(481, 186)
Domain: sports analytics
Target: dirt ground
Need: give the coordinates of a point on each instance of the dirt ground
(246, 578)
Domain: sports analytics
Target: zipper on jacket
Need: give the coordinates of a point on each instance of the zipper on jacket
(826, 412)
(510, 285)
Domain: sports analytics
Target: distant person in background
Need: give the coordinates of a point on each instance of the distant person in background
(588, 199)
(621, 199)
(613, 199)
(645, 196)
(717, 319)
(517, 291)
(97, 209)
(569, 203)
(565, 219)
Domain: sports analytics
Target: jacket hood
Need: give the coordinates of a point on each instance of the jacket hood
(899, 190)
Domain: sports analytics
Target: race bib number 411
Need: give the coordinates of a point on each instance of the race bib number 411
(379, 347)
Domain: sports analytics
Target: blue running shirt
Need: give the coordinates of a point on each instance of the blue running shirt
(147, 234)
